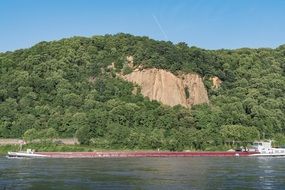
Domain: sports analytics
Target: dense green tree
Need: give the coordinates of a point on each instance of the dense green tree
(83, 135)
(30, 135)
(239, 134)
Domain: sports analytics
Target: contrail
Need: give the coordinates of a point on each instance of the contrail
(160, 27)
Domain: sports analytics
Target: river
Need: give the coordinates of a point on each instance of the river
(143, 173)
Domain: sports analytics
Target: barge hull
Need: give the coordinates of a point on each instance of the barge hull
(141, 154)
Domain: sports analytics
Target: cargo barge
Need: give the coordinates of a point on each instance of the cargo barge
(258, 149)
(125, 154)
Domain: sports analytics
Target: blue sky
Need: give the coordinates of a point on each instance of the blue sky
(210, 24)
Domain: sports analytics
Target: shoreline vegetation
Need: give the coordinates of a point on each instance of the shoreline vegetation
(72, 145)
(39, 147)
(71, 88)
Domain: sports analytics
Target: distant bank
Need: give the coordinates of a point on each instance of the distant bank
(67, 141)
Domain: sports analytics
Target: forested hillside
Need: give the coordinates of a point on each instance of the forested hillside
(67, 87)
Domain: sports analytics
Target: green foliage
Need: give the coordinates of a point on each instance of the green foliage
(187, 94)
(239, 133)
(83, 135)
(43, 135)
(6, 148)
(62, 88)
(126, 70)
(30, 135)
(279, 139)
(50, 133)
(50, 147)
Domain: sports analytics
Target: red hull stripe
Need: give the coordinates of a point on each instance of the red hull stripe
(140, 154)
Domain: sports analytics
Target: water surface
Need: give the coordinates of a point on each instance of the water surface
(143, 173)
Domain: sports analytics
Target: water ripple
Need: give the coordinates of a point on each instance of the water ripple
(143, 173)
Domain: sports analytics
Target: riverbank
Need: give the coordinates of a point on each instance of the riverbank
(46, 148)
(60, 148)
(16, 141)
(54, 147)
(79, 151)
(91, 151)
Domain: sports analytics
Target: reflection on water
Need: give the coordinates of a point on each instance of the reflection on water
(269, 171)
(143, 173)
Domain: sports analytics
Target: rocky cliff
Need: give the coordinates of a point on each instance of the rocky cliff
(163, 86)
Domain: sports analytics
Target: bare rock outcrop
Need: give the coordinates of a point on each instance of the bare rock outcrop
(163, 86)
(130, 60)
(216, 82)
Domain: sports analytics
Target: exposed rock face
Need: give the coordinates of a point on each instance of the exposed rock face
(163, 86)
(130, 60)
(196, 89)
(216, 82)
(112, 66)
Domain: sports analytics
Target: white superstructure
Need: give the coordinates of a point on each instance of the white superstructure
(27, 154)
(264, 148)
